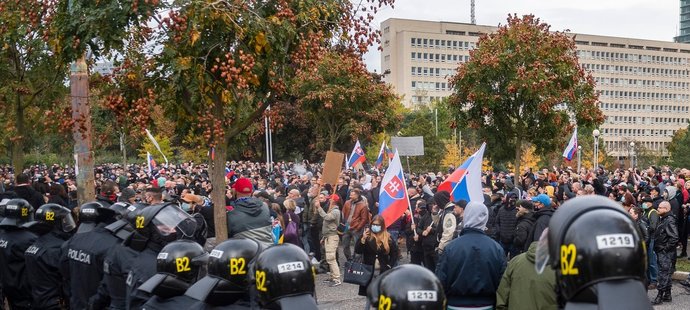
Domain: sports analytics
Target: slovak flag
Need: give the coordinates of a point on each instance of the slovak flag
(357, 156)
(393, 200)
(379, 159)
(572, 147)
(151, 163)
(466, 182)
(390, 153)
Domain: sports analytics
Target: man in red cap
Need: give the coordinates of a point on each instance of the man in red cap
(250, 218)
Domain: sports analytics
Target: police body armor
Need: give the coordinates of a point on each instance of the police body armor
(14, 240)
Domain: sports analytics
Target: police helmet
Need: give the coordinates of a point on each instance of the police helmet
(407, 287)
(284, 278)
(17, 213)
(3, 204)
(51, 216)
(120, 208)
(228, 272)
(597, 253)
(164, 223)
(179, 264)
(124, 227)
(93, 213)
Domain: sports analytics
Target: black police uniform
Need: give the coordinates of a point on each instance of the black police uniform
(14, 241)
(149, 238)
(86, 253)
(43, 268)
(118, 262)
(44, 265)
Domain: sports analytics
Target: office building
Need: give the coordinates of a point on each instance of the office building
(684, 32)
(644, 85)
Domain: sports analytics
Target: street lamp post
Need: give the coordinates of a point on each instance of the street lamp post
(632, 155)
(579, 158)
(596, 133)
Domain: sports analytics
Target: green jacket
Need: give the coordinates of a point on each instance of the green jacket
(523, 288)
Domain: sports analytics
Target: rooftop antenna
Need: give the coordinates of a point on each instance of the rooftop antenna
(472, 18)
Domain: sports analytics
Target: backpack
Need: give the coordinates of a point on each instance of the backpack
(439, 225)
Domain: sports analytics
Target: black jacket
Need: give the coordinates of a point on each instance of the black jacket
(116, 267)
(506, 223)
(525, 224)
(652, 218)
(143, 267)
(666, 235)
(471, 268)
(15, 285)
(643, 227)
(177, 302)
(29, 194)
(542, 217)
(85, 254)
(429, 242)
(371, 252)
(43, 271)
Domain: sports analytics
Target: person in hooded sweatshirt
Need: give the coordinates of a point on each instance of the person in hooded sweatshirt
(471, 265)
(525, 224)
(542, 203)
(250, 218)
(523, 288)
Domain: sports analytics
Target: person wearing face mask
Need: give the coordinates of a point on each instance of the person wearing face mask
(376, 244)
(651, 215)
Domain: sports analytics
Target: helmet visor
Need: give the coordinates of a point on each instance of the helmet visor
(172, 220)
(541, 259)
(68, 223)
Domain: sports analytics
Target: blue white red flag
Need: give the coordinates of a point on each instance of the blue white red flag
(357, 156)
(379, 159)
(465, 183)
(572, 147)
(150, 162)
(393, 200)
(390, 153)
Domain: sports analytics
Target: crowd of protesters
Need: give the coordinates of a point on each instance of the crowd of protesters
(289, 203)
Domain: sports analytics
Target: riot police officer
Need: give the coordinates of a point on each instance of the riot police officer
(155, 226)
(598, 255)
(14, 240)
(54, 225)
(407, 287)
(118, 262)
(85, 253)
(179, 265)
(223, 287)
(284, 278)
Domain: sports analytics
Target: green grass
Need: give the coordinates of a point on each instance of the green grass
(683, 264)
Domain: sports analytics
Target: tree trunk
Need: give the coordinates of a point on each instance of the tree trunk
(81, 114)
(218, 180)
(18, 144)
(518, 156)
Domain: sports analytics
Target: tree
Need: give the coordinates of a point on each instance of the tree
(342, 100)
(420, 122)
(227, 61)
(452, 156)
(522, 85)
(30, 76)
(679, 148)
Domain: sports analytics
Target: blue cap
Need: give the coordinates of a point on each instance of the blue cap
(543, 198)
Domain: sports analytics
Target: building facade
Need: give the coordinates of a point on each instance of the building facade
(684, 33)
(644, 85)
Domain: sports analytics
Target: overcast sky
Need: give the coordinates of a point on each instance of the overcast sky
(642, 19)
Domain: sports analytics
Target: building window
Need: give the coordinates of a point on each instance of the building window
(387, 58)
